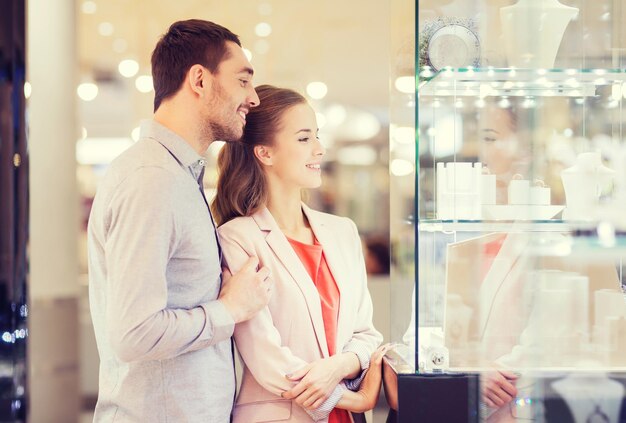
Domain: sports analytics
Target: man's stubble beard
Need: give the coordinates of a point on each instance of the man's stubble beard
(226, 126)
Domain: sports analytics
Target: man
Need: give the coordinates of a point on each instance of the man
(162, 325)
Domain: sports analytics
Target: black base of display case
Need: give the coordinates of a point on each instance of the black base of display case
(450, 398)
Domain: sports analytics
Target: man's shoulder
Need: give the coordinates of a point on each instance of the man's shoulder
(144, 153)
(146, 162)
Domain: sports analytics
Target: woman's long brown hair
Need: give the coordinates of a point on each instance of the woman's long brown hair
(241, 185)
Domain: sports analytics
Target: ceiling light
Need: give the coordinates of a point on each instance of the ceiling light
(263, 29)
(134, 134)
(405, 84)
(144, 83)
(317, 90)
(89, 7)
(248, 54)
(401, 167)
(504, 103)
(83, 133)
(87, 91)
(28, 89)
(105, 29)
(426, 73)
(529, 103)
(128, 68)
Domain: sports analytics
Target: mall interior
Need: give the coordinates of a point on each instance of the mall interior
(478, 146)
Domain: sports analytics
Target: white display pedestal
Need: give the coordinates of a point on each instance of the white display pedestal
(533, 30)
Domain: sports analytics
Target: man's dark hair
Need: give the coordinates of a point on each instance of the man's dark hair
(187, 43)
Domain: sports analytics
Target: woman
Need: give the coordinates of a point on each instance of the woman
(312, 343)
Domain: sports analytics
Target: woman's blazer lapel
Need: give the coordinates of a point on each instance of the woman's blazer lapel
(290, 261)
(336, 258)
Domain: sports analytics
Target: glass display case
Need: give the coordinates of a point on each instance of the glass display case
(511, 219)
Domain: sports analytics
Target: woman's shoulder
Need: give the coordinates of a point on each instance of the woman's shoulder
(239, 225)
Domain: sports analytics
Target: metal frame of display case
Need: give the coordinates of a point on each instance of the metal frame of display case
(13, 214)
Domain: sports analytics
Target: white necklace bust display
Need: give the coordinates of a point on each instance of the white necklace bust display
(591, 397)
(533, 30)
(583, 184)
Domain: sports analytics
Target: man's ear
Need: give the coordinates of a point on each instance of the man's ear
(199, 79)
(264, 154)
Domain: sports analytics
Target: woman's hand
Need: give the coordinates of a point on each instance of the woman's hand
(367, 396)
(498, 388)
(317, 380)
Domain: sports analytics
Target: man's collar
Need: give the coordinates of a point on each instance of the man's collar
(180, 148)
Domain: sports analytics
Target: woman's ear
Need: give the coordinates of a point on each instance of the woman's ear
(263, 154)
(198, 79)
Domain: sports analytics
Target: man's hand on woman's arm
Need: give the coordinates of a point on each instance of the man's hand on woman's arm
(247, 291)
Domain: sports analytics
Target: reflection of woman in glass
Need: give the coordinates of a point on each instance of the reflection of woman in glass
(313, 342)
(500, 148)
(500, 151)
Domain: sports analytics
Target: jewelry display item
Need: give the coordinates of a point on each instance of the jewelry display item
(584, 183)
(458, 190)
(592, 397)
(542, 23)
(450, 42)
(598, 416)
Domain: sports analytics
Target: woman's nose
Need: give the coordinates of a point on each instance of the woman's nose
(320, 150)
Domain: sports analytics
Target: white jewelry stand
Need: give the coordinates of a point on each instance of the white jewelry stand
(592, 398)
(583, 183)
(533, 30)
(459, 190)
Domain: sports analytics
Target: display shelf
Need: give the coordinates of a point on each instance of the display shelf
(435, 225)
(483, 82)
(610, 248)
(546, 370)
